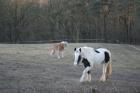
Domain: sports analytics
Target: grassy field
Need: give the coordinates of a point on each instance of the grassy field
(28, 68)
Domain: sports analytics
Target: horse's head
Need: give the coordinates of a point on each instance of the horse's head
(77, 56)
(65, 43)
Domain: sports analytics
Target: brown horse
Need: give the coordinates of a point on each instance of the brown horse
(58, 49)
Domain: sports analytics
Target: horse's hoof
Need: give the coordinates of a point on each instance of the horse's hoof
(58, 57)
(89, 80)
(102, 80)
(81, 80)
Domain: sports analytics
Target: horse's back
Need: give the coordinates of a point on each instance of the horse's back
(100, 55)
(102, 50)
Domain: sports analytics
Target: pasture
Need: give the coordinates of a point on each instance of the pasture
(28, 68)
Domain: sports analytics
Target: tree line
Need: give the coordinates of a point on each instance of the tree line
(115, 21)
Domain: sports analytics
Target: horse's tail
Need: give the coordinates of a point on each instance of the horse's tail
(109, 67)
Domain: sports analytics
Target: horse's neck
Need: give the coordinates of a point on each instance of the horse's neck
(64, 44)
(87, 52)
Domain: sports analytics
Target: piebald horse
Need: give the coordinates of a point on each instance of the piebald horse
(90, 56)
(58, 49)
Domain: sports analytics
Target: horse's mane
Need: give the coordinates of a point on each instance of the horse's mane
(87, 51)
(86, 48)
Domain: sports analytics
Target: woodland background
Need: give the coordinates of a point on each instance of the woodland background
(33, 21)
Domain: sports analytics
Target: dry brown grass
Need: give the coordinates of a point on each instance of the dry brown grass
(28, 68)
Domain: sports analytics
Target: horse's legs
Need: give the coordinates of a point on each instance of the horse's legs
(52, 51)
(85, 74)
(62, 54)
(104, 73)
(83, 77)
(89, 76)
(103, 77)
(58, 54)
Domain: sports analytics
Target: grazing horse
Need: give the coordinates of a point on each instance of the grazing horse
(58, 48)
(90, 56)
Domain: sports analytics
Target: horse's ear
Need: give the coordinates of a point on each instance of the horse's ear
(74, 49)
(80, 49)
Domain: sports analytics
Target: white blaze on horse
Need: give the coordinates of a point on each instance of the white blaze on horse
(90, 56)
(58, 49)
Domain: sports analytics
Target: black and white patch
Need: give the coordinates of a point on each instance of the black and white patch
(96, 51)
(74, 49)
(107, 57)
(86, 64)
(79, 59)
(80, 49)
